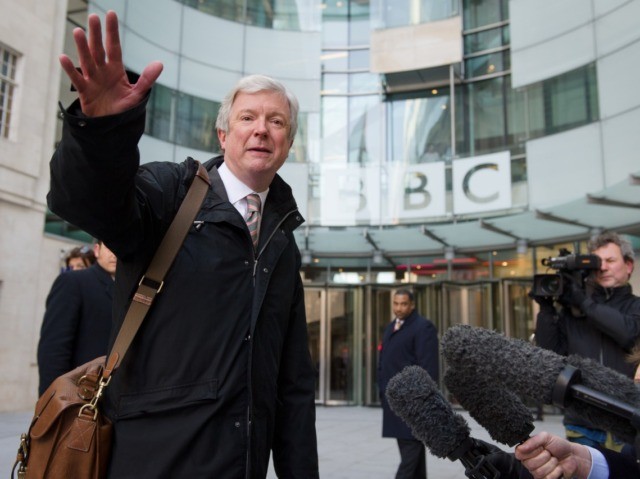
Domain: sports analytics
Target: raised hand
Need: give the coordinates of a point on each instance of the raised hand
(102, 84)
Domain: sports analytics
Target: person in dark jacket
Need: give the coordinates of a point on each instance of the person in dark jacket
(77, 320)
(220, 375)
(605, 329)
(408, 340)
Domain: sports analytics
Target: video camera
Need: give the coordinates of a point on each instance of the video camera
(576, 266)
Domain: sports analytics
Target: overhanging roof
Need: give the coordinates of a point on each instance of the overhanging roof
(614, 208)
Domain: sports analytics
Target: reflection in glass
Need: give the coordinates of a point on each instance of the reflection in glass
(365, 130)
(486, 40)
(420, 128)
(341, 346)
(160, 113)
(313, 308)
(196, 123)
(485, 115)
(400, 13)
(298, 15)
(563, 102)
(334, 129)
(478, 14)
(488, 64)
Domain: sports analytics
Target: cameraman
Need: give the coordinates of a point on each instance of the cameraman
(599, 320)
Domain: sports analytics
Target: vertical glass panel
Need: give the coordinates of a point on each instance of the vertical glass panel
(381, 314)
(567, 100)
(399, 13)
(334, 129)
(488, 64)
(519, 313)
(298, 152)
(364, 83)
(298, 15)
(313, 307)
(478, 13)
(359, 59)
(196, 123)
(420, 128)
(365, 129)
(516, 118)
(159, 113)
(486, 115)
(333, 60)
(484, 40)
(359, 22)
(335, 23)
(534, 95)
(341, 346)
(227, 9)
(335, 83)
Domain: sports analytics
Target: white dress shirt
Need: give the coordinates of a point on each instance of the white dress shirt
(237, 191)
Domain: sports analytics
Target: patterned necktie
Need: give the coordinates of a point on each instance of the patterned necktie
(398, 324)
(253, 217)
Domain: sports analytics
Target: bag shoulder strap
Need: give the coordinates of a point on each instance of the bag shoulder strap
(153, 280)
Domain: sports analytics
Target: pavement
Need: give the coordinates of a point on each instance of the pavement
(349, 444)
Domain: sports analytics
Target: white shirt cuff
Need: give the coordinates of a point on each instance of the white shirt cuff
(599, 466)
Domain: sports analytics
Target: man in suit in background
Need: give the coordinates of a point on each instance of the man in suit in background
(77, 320)
(408, 340)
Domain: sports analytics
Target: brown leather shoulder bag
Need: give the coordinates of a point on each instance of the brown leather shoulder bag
(69, 436)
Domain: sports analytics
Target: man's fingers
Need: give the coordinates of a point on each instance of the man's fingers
(114, 50)
(95, 40)
(148, 77)
(69, 68)
(87, 65)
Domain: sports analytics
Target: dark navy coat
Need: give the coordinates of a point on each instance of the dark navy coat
(77, 322)
(220, 374)
(415, 343)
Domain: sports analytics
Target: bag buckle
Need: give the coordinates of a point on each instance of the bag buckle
(21, 458)
(92, 406)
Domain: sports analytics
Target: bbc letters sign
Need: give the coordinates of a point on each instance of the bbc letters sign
(393, 193)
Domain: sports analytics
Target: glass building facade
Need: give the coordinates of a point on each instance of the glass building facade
(446, 145)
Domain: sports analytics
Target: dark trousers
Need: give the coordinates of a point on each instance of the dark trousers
(413, 460)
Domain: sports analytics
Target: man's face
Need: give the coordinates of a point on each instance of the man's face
(614, 271)
(402, 306)
(257, 143)
(105, 258)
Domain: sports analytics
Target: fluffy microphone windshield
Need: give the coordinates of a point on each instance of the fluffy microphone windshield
(491, 374)
(416, 399)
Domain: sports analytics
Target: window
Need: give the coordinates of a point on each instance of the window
(8, 86)
(567, 101)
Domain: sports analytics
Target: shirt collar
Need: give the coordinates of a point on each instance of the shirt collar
(236, 189)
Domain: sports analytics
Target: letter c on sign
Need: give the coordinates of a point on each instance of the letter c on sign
(467, 179)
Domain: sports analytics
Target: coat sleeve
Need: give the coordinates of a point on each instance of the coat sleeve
(295, 452)
(621, 466)
(623, 328)
(96, 183)
(426, 347)
(59, 329)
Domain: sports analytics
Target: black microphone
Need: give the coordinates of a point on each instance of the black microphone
(490, 375)
(415, 398)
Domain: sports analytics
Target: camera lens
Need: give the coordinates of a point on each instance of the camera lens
(551, 285)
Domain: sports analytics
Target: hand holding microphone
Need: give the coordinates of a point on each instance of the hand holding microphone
(490, 374)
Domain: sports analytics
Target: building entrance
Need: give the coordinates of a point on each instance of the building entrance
(346, 323)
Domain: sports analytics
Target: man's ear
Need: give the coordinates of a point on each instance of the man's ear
(630, 264)
(222, 137)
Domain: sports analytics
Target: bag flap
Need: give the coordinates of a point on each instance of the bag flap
(64, 393)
